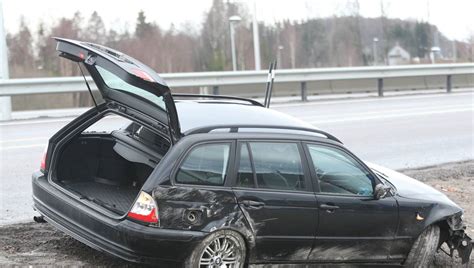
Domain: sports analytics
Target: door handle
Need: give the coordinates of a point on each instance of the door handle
(252, 204)
(329, 207)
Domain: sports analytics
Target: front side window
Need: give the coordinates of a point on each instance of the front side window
(339, 173)
(277, 165)
(205, 165)
(114, 82)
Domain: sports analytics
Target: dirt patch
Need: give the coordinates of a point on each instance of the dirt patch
(42, 245)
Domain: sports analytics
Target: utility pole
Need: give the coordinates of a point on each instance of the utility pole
(5, 102)
(384, 39)
(428, 11)
(256, 41)
(455, 52)
(376, 40)
(279, 56)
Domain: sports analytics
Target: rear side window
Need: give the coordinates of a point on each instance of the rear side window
(276, 165)
(339, 173)
(205, 165)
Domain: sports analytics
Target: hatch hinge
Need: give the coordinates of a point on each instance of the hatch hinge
(88, 87)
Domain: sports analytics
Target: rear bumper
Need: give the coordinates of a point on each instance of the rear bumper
(123, 238)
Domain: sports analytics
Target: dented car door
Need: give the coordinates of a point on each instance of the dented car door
(275, 194)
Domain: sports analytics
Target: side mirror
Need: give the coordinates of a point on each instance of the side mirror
(381, 191)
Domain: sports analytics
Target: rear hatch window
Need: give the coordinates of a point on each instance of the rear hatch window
(114, 82)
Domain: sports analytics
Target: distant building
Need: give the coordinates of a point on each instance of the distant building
(398, 56)
(435, 54)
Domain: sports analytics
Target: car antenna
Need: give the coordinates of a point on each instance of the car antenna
(271, 77)
(88, 87)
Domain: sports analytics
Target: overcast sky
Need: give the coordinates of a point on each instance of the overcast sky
(454, 18)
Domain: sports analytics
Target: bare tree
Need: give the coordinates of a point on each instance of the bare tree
(95, 29)
(342, 40)
(21, 57)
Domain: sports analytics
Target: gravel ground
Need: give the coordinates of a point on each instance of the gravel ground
(35, 244)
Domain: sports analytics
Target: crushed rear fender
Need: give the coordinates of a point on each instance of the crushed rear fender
(206, 210)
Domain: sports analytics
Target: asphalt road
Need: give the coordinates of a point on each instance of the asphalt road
(397, 132)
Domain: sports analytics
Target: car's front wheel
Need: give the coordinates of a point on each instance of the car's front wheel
(424, 248)
(223, 248)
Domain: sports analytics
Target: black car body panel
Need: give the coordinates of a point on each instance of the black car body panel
(122, 238)
(279, 225)
(429, 207)
(417, 198)
(284, 227)
(194, 115)
(370, 237)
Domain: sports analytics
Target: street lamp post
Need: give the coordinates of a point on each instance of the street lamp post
(256, 41)
(279, 56)
(233, 20)
(376, 40)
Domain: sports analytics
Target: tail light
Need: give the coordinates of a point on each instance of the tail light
(144, 209)
(43, 160)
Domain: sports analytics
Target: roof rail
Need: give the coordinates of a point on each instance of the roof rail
(235, 128)
(224, 97)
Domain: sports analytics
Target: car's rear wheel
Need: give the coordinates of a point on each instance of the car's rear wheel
(220, 249)
(424, 248)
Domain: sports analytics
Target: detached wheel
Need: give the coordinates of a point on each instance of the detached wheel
(221, 249)
(424, 248)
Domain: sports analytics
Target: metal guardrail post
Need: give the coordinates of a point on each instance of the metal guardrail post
(216, 80)
(5, 108)
(380, 86)
(304, 92)
(448, 84)
(215, 90)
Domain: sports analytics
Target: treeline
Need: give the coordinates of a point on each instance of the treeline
(321, 42)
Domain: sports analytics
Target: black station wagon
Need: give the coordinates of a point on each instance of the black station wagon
(218, 181)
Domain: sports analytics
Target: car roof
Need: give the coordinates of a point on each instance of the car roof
(202, 114)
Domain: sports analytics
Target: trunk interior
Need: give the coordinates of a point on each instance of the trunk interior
(109, 169)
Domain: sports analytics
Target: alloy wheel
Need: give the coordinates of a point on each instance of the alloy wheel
(222, 252)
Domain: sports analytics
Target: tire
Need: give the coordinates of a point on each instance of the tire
(220, 247)
(424, 248)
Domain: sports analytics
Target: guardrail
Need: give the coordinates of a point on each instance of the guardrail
(13, 87)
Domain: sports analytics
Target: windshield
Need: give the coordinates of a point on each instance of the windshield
(114, 82)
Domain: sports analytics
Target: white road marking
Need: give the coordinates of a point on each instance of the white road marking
(46, 121)
(370, 99)
(310, 119)
(395, 111)
(30, 122)
(22, 146)
(26, 139)
(362, 118)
